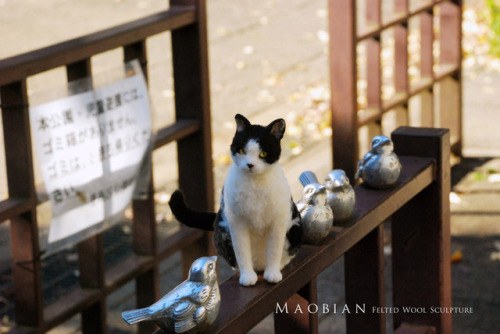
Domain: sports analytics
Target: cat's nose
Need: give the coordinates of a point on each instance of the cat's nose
(250, 166)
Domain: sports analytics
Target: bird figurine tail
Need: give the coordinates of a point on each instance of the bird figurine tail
(358, 170)
(308, 177)
(135, 316)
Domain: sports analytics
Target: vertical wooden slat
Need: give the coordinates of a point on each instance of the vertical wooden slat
(373, 74)
(426, 44)
(137, 51)
(26, 269)
(426, 108)
(192, 101)
(373, 69)
(300, 322)
(450, 39)
(90, 251)
(343, 80)
(365, 284)
(374, 12)
(401, 77)
(400, 117)
(449, 106)
(421, 235)
(147, 284)
(78, 70)
(427, 67)
(401, 50)
(450, 20)
(144, 228)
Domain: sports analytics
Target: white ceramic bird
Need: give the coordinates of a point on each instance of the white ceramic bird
(317, 216)
(340, 195)
(189, 308)
(380, 167)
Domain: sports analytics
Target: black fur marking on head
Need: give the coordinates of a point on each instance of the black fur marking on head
(268, 137)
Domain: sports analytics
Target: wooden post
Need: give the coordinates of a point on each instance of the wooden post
(450, 53)
(343, 81)
(421, 235)
(192, 101)
(90, 251)
(26, 269)
(365, 284)
(147, 284)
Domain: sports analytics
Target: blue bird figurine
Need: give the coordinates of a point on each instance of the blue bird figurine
(189, 308)
(380, 167)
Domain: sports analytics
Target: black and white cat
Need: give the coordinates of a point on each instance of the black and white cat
(258, 227)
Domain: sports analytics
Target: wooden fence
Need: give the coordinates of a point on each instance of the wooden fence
(186, 19)
(418, 204)
(438, 78)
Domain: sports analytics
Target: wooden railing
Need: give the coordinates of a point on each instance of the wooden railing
(418, 207)
(436, 76)
(186, 19)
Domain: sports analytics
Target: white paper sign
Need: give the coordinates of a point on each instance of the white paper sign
(90, 147)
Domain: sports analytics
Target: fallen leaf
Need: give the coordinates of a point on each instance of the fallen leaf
(241, 65)
(495, 256)
(494, 178)
(323, 36)
(129, 214)
(248, 50)
(456, 257)
(321, 13)
(223, 160)
(454, 198)
(497, 245)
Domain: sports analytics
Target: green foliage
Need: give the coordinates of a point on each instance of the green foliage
(478, 176)
(494, 7)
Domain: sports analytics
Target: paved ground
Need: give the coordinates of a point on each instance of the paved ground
(268, 60)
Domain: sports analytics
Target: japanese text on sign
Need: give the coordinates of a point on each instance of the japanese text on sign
(90, 147)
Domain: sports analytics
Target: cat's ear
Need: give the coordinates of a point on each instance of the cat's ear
(241, 123)
(277, 128)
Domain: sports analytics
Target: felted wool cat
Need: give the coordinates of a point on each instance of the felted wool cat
(258, 226)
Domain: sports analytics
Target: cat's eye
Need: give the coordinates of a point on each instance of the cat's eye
(263, 154)
(241, 151)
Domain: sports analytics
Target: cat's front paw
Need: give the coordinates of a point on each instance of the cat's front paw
(248, 279)
(273, 275)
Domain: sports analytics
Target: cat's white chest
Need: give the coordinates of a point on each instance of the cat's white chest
(256, 200)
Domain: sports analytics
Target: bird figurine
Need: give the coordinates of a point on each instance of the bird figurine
(189, 308)
(340, 195)
(380, 167)
(317, 216)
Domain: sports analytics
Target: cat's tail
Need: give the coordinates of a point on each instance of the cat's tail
(193, 218)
